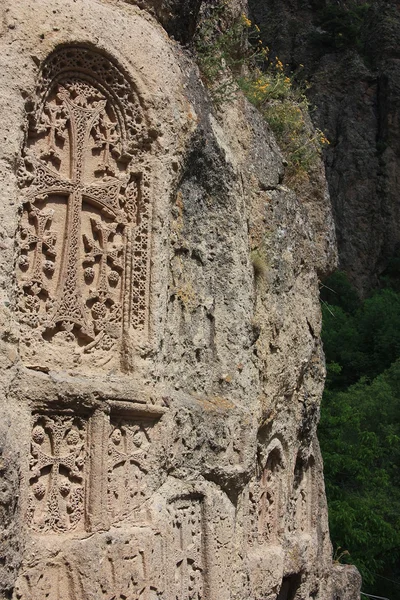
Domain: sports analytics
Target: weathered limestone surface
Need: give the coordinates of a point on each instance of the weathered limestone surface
(161, 360)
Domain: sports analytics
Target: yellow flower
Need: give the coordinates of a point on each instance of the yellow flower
(246, 22)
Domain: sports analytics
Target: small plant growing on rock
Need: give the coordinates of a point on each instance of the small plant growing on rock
(222, 52)
(230, 62)
(286, 108)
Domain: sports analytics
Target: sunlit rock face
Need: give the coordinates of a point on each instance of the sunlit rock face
(160, 394)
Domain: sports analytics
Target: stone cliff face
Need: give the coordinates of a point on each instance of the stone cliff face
(355, 87)
(160, 387)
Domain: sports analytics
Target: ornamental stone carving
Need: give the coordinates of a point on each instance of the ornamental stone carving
(151, 416)
(189, 561)
(266, 497)
(83, 240)
(57, 473)
(128, 465)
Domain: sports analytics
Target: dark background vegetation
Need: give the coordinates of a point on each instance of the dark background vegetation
(360, 427)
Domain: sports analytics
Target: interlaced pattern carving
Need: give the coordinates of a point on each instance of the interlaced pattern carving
(57, 472)
(83, 239)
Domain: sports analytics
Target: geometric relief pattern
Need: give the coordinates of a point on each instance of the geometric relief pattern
(128, 469)
(57, 473)
(188, 548)
(82, 265)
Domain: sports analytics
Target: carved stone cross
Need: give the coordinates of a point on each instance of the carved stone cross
(69, 304)
(188, 551)
(83, 274)
(106, 139)
(127, 453)
(63, 452)
(43, 240)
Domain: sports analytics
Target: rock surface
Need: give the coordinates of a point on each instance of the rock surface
(355, 88)
(160, 343)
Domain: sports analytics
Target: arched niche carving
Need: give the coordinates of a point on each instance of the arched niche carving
(302, 496)
(83, 241)
(266, 495)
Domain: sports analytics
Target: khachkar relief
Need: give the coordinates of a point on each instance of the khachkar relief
(189, 547)
(133, 570)
(128, 569)
(266, 498)
(57, 473)
(128, 465)
(53, 581)
(82, 266)
(302, 497)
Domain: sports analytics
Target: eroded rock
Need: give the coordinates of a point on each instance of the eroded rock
(159, 395)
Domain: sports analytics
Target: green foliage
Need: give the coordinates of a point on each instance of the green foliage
(365, 340)
(337, 290)
(360, 438)
(390, 278)
(360, 428)
(285, 109)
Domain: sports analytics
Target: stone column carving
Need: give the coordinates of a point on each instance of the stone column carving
(266, 497)
(188, 532)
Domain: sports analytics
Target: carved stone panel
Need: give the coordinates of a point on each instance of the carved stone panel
(129, 568)
(189, 555)
(132, 570)
(55, 580)
(265, 500)
(58, 465)
(128, 465)
(82, 266)
(302, 498)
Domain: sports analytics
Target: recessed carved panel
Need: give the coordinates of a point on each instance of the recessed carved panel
(128, 465)
(132, 571)
(266, 499)
(58, 465)
(56, 580)
(188, 549)
(82, 266)
(129, 568)
(302, 497)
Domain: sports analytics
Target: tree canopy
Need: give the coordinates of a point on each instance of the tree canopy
(360, 429)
